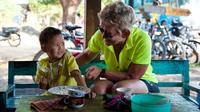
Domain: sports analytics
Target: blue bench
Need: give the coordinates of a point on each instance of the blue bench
(160, 67)
(196, 87)
(166, 67)
(173, 67)
(18, 68)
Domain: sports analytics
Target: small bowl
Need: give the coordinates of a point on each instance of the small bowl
(123, 90)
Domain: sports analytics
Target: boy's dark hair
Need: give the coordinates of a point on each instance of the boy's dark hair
(47, 34)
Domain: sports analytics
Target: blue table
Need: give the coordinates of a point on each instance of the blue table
(179, 104)
(3, 95)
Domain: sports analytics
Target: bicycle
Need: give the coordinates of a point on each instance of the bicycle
(158, 48)
(179, 45)
(11, 35)
(176, 42)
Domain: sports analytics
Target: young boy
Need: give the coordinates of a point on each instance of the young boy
(60, 67)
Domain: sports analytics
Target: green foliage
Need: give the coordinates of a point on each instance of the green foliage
(81, 6)
(43, 5)
(9, 8)
(47, 2)
(106, 2)
(195, 64)
(9, 11)
(46, 10)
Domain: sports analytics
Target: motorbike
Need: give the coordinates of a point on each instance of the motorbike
(75, 39)
(176, 28)
(11, 35)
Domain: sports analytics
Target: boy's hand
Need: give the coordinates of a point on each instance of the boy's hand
(93, 72)
(43, 83)
(79, 79)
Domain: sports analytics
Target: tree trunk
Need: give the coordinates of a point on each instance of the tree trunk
(69, 10)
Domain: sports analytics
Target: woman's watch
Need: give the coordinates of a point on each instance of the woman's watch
(102, 73)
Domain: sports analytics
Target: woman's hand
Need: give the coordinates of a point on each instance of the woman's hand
(93, 72)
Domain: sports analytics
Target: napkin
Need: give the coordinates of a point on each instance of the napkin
(45, 105)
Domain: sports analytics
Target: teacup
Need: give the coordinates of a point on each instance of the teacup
(124, 91)
(76, 98)
(76, 93)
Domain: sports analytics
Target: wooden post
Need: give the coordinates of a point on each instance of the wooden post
(92, 7)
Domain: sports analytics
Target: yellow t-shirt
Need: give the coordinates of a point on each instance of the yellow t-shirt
(137, 49)
(58, 73)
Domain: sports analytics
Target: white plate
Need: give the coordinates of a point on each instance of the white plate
(64, 90)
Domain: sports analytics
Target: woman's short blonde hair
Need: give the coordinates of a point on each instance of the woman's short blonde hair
(118, 14)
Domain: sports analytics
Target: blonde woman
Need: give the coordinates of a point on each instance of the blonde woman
(127, 53)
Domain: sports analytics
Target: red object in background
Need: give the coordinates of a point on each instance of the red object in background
(75, 53)
(77, 41)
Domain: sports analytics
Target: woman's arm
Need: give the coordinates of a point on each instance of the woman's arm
(85, 57)
(135, 71)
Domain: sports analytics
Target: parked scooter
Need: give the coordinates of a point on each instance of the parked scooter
(176, 28)
(73, 37)
(11, 35)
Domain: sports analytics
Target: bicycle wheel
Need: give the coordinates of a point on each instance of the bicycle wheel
(195, 44)
(158, 50)
(191, 54)
(175, 50)
(14, 40)
(39, 55)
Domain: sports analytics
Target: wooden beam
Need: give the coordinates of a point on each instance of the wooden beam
(92, 7)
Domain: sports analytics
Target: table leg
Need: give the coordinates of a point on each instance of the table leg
(198, 99)
(2, 101)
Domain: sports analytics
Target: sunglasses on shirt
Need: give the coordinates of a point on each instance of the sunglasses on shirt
(105, 33)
